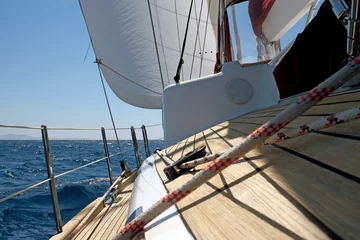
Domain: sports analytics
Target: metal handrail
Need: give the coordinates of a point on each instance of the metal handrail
(136, 147)
(51, 177)
(56, 176)
(52, 184)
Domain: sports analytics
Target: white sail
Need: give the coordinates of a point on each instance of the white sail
(122, 38)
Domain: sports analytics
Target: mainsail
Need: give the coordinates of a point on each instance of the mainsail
(122, 36)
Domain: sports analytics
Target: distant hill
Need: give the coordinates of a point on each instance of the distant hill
(17, 137)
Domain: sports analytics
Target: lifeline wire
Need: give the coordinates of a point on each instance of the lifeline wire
(122, 161)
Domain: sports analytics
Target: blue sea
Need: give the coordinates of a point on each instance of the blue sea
(22, 163)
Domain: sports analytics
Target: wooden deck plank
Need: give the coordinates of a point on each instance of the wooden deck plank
(328, 149)
(341, 97)
(312, 182)
(277, 192)
(274, 193)
(330, 109)
(116, 213)
(178, 148)
(265, 199)
(100, 227)
(345, 129)
(116, 224)
(226, 207)
(343, 101)
(331, 198)
(119, 224)
(87, 229)
(69, 227)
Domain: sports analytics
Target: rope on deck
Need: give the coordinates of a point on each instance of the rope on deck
(250, 142)
(343, 117)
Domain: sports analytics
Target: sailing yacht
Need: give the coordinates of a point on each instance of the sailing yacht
(262, 140)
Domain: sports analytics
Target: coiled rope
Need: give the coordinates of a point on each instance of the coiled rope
(250, 142)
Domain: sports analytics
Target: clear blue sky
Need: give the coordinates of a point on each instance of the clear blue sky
(44, 79)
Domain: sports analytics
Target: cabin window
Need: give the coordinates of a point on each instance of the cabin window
(252, 31)
(243, 39)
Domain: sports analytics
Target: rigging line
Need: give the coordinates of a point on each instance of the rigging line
(178, 34)
(206, 27)
(197, 36)
(181, 61)
(98, 61)
(156, 47)
(87, 51)
(122, 161)
(161, 41)
(237, 36)
(200, 13)
(170, 11)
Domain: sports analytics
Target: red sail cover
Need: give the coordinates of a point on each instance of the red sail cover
(258, 11)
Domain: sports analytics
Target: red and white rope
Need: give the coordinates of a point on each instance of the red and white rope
(246, 145)
(330, 121)
(343, 117)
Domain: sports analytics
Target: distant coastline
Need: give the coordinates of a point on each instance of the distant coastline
(22, 137)
(17, 137)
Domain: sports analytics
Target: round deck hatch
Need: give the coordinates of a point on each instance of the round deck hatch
(238, 91)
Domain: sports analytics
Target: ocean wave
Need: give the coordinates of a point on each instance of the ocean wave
(92, 180)
(30, 215)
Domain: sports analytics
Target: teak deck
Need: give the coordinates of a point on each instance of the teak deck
(302, 188)
(106, 220)
(109, 220)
